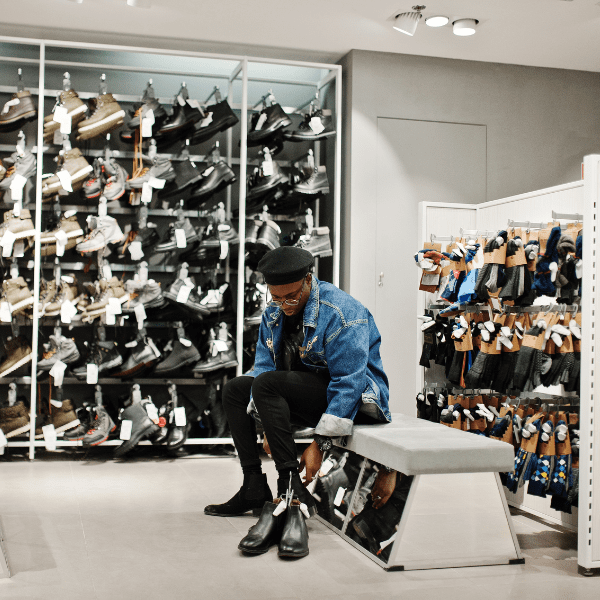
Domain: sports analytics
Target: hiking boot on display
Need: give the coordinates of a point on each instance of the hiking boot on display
(189, 300)
(17, 111)
(214, 178)
(21, 227)
(148, 295)
(218, 117)
(17, 293)
(317, 242)
(144, 354)
(92, 187)
(179, 357)
(170, 241)
(14, 420)
(148, 104)
(63, 417)
(268, 236)
(267, 122)
(67, 292)
(186, 174)
(103, 231)
(222, 354)
(115, 185)
(161, 169)
(25, 165)
(85, 415)
(251, 496)
(214, 299)
(315, 126)
(58, 348)
(100, 427)
(262, 184)
(141, 426)
(317, 183)
(108, 289)
(70, 227)
(76, 165)
(104, 355)
(148, 237)
(106, 116)
(76, 109)
(18, 353)
(48, 291)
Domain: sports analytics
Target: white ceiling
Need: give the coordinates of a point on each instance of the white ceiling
(543, 33)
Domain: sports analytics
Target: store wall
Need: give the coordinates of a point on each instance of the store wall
(539, 124)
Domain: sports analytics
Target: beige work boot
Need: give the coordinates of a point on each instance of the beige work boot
(75, 106)
(48, 292)
(14, 420)
(107, 115)
(70, 226)
(17, 294)
(21, 226)
(108, 289)
(69, 290)
(18, 353)
(78, 168)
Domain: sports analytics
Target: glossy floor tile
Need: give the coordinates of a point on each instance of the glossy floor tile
(103, 529)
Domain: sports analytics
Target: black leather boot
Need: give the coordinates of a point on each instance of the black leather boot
(266, 533)
(252, 496)
(300, 492)
(294, 537)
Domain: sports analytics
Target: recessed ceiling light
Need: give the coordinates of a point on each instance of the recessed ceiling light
(465, 27)
(77, 1)
(139, 3)
(437, 21)
(407, 22)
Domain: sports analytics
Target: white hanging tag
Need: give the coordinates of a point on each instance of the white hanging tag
(280, 508)
(181, 100)
(261, 121)
(61, 242)
(158, 184)
(146, 193)
(19, 249)
(3, 441)
(339, 496)
(489, 325)
(65, 180)
(207, 172)
(147, 122)
(267, 166)
(7, 241)
(504, 340)
(304, 510)
(185, 342)
(153, 348)
(102, 208)
(110, 318)
(114, 305)
(58, 372)
(326, 467)
(316, 125)
(135, 249)
(207, 120)
(193, 103)
(183, 273)
(106, 272)
(183, 294)
(136, 396)
(65, 125)
(220, 345)
(180, 238)
(60, 112)
(58, 137)
(16, 187)
(505, 331)
(49, 437)
(17, 208)
(125, 433)
(67, 311)
(224, 249)
(5, 315)
(152, 412)
(579, 268)
(92, 374)
(180, 418)
(134, 199)
(140, 315)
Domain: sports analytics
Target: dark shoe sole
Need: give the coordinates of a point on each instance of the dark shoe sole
(254, 552)
(267, 132)
(228, 123)
(227, 365)
(132, 443)
(134, 369)
(256, 512)
(290, 555)
(185, 363)
(226, 181)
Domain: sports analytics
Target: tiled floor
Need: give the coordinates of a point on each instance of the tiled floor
(136, 530)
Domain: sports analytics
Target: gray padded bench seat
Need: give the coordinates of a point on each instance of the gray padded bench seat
(416, 447)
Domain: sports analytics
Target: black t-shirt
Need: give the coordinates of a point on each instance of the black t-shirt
(293, 337)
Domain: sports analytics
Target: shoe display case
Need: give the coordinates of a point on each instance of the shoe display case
(140, 187)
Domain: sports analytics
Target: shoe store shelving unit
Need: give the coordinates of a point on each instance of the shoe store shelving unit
(243, 81)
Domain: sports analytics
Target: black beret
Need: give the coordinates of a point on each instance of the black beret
(286, 264)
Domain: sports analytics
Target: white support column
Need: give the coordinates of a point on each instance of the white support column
(4, 568)
(337, 192)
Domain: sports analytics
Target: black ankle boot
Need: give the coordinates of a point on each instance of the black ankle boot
(252, 496)
(266, 533)
(294, 537)
(300, 492)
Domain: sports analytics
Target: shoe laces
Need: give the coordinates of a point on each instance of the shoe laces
(130, 237)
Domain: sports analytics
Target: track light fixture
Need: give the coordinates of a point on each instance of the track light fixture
(465, 27)
(437, 21)
(407, 22)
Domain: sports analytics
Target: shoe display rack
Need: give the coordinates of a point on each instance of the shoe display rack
(140, 187)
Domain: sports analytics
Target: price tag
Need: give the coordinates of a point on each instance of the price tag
(194, 103)
(316, 125)
(16, 187)
(58, 137)
(339, 496)
(140, 315)
(102, 208)
(134, 199)
(17, 208)
(110, 318)
(147, 122)
(49, 437)
(152, 412)
(92, 374)
(153, 348)
(7, 241)
(60, 112)
(136, 396)
(114, 306)
(185, 342)
(224, 249)
(58, 372)
(65, 125)
(5, 315)
(181, 100)
(180, 418)
(135, 249)
(261, 121)
(280, 508)
(61, 242)
(57, 403)
(19, 249)
(67, 311)
(219, 346)
(183, 294)
(3, 440)
(126, 426)
(65, 180)
(267, 167)
(207, 172)
(107, 272)
(207, 120)
(158, 184)
(325, 467)
(146, 193)
(180, 238)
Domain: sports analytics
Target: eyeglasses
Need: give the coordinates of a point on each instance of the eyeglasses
(288, 302)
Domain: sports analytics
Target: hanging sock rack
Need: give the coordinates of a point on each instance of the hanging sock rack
(567, 216)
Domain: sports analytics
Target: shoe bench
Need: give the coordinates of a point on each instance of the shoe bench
(448, 508)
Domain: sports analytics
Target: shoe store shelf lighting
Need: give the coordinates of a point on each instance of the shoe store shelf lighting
(407, 22)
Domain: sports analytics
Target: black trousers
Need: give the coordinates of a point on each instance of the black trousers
(283, 399)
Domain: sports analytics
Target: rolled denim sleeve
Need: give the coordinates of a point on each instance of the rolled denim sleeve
(347, 357)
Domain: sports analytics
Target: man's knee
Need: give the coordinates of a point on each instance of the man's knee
(237, 391)
(263, 383)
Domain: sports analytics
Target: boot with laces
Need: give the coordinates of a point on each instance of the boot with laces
(148, 295)
(63, 417)
(315, 126)
(24, 164)
(170, 241)
(318, 242)
(161, 169)
(92, 187)
(317, 183)
(179, 357)
(76, 109)
(114, 188)
(100, 427)
(21, 227)
(144, 354)
(108, 289)
(149, 103)
(76, 165)
(48, 290)
(105, 355)
(141, 426)
(222, 353)
(107, 115)
(14, 420)
(263, 184)
(68, 292)
(58, 348)
(17, 111)
(18, 353)
(190, 300)
(17, 294)
(214, 300)
(69, 226)
(103, 231)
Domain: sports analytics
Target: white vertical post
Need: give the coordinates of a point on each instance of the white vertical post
(338, 179)
(242, 220)
(37, 253)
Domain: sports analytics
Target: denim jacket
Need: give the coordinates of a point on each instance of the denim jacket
(340, 335)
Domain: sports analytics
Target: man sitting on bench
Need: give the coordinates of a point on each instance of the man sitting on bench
(317, 365)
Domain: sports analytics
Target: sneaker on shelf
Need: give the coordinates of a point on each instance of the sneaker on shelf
(270, 120)
(76, 166)
(84, 414)
(58, 348)
(68, 291)
(148, 104)
(114, 188)
(100, 427)
(104, 355)
(214, 178)
(112, 288)
(261, 184)
(63, 417)
(317, 183)
(14, 420)
(141, 426)
(221, 354)
(147, 294)
(218, 117)
(188, 299)
(92, 186)
(214, 300)
(106, 116)
(315, 126)
(268, 236)
(170, 241)
(161, 169)
(24, 164)
(17, 111)
(317, 243)
(21, 227)
(104, 231)
(76, 109)
(71, 231)
(144, 354)
(17, 293)
(180, 356)
(18, 353)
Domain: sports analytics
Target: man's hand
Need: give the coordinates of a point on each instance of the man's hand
(266, 446)
(383, 488)
(312, 458)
